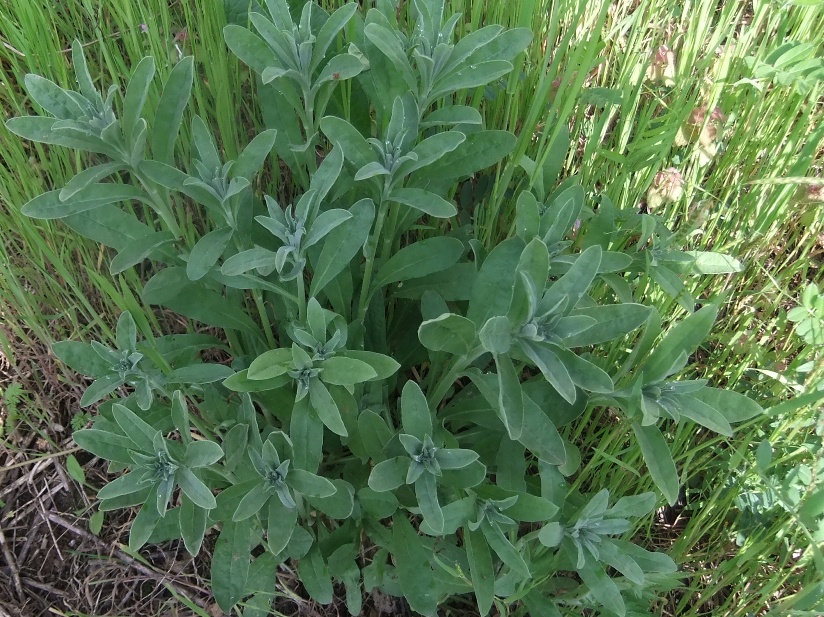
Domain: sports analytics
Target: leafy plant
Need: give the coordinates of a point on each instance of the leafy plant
(393, 383)
(809, 317)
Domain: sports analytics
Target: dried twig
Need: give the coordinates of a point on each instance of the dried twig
(160, 577)
(12, 563)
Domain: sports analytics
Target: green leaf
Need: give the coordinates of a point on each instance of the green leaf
(389, 474)
(173, 289)
(342, 244)
(169, 114)
(384, 366)
(344, 371)
(81, 73)
(658, 459)
(492, 293)
(455, 458)
(540, 436)
(194, 489)
(415, 576)
(527, 509)
(480, 569)
(499, 543)
(584, 373)
(350, 141)
(479, 151)
(340, 504)
(207, 251)
(425, 201)
(496, 335)
(254, 155)
(451, 114)
(633, 505)
(426, 491)
(610, 555)
(649, 561)
(326, 408)
(574, 284)
(419, 259)
(141, 433)
(374, 434)
(124, 485)
(469, 76)
(390, 46)
(82, 358)
(684, 338)
(611, 321)
(698, 411)
(46, 130)
(281, 525)
(306, 429)
(202, 454)
(379, 505)
(96, 522)
(164, 175)
(510, 397)
(342, 66)
(733, 406)
(200, 373)
(140, 249)
(534, 262)
(88, 176)
(429, 151)
(309, 484)
(144, 523)
(100, 388)
(602, 587)
(269, 364)
(449, 332)
(330, 29)
(136, 94)
(415, 415)
(52, 98)
(552, 368)
(49, 206)
(192, 525)
(230, 564)
(709, 262)
(252, 502)
(470, 43)
(466, 477)
(106, 445)
(250, 259)
(315, 576)
(551, 534)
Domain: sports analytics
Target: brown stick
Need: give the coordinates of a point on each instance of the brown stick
(160, 577)
(15, 573)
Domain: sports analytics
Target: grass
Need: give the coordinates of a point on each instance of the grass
(584, 77)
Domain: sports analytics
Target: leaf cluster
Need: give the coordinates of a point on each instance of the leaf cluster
(392, 414)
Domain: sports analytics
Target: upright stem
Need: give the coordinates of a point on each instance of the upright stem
(457, 366)
(371, 250)
(161, 206)
(301, 298)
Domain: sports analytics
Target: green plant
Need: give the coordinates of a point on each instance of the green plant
(385, 364)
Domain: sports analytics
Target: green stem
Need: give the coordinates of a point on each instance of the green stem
(371, 250)
(457, 366)
(301, 298)
(264, 318)
(160, 205)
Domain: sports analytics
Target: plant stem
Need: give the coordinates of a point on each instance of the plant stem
(301, 298)
(457, 366)
(371, 250)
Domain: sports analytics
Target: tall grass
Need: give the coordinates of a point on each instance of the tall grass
(584, 77)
